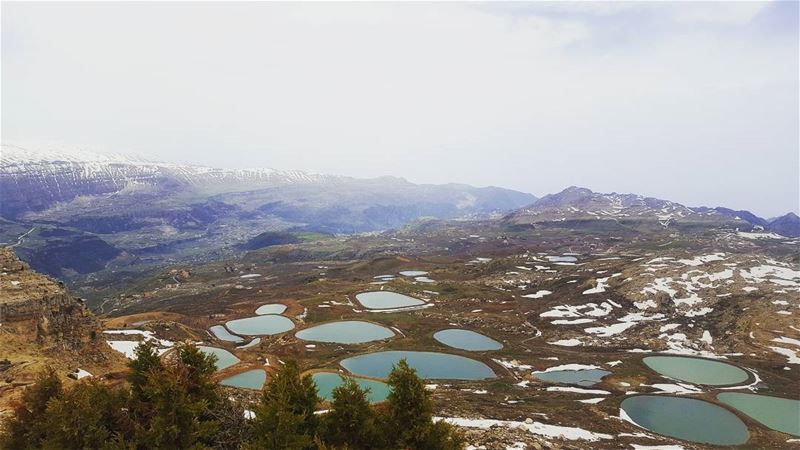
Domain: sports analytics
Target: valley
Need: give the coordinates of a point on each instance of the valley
(557, 299)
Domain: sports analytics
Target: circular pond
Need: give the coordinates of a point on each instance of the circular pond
(781, 414)
(328, 381)
(466, 340)
(252, 379)
(588, 377)
(697, 370)
(260, 325)
(225, 358)
(686, 418)
(272, 308)
(429, 365)
(345, 332)
(387, 300)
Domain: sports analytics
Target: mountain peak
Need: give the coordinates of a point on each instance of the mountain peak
(568, 196)
(787, 225)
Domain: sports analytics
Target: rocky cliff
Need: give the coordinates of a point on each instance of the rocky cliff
(42, 325)
(36, 307)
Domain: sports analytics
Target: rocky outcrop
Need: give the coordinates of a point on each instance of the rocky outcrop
(36, 307)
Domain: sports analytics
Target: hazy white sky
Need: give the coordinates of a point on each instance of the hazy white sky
(696, 103)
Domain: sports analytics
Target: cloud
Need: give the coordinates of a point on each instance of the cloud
(718, 12)
(678, 100)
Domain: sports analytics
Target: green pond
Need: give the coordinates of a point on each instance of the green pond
(273, 308)
(225, 358)
(696, 370)
(345, 332)
(260, 325)
(327, 382)
(223, 334)
(429, 365)
(781, 414)
(686, 418)
(466, 340)
(584, 378)
(252, 379)
(387, 300)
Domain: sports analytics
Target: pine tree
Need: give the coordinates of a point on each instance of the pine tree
(146, 361)
(351, 421)
(285, 418)
(89, 415)
(26, 427)
(176, 401)
(409, 414)
(200, 369)
(409, 407)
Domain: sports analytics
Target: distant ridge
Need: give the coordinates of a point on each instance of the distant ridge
(581, 204)
(34, 179)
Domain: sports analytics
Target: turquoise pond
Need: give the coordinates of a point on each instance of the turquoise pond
(697, 370)
(781, 414)
(252, 379)
(429, 365)
(686, 418)
(584, 378)
(387, 300)
(225, 358)
(328, 381)
(223, 334)
(272, 308)
(260, 325)
(345, 332)
(466, 340)
(252, 343)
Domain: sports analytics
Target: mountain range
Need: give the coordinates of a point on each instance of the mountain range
(111, 207)
(72, 213)
(577, 204)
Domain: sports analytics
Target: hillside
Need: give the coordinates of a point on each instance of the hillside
(42, 324)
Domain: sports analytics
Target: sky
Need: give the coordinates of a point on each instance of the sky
(691, 102)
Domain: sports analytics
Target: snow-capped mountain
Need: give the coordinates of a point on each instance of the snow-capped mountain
(58, 204)
(34, 178)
